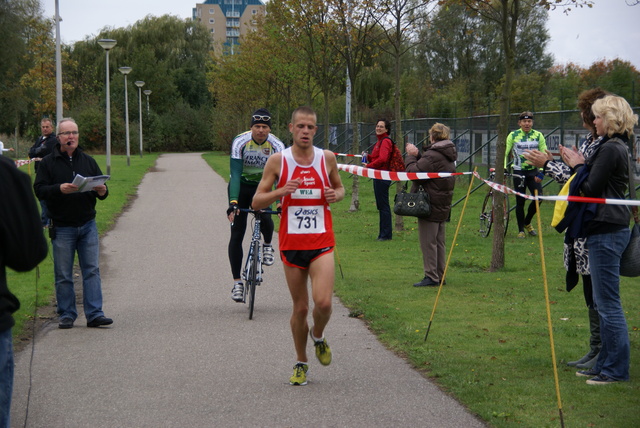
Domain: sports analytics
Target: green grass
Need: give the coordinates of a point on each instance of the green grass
(122, 188)
(488, 345)
(489, 340)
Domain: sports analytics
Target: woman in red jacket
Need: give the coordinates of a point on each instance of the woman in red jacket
(380, 158)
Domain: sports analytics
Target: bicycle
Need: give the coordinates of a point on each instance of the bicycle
(486, 214)
(252, 273)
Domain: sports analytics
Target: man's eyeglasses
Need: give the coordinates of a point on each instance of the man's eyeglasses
(263, 118)
(68, 133)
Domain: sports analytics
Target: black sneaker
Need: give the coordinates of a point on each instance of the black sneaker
(426, 282)
(65, 323)
(601, 380)
(100, 321)
(587, 373)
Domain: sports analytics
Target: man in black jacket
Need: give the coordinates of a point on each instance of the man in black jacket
(73, 225)
(22, 247)
(42, 147)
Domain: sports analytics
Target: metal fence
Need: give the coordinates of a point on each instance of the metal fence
(475, 137)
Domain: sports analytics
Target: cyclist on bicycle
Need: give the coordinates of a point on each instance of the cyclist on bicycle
(307, 181)
(525, 176)
(249, 153)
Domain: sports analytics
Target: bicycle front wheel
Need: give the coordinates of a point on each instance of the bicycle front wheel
(486, 218)
(252, 281)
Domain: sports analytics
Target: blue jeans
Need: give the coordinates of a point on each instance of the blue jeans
(381, 192)
(6, 376)
(605, 251)
(84, 240)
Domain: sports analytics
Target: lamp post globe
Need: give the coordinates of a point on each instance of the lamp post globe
(125, 71)
(140, 84)
(107, 45)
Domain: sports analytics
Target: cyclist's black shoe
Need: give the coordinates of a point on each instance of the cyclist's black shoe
(531, 230)
(237, 292)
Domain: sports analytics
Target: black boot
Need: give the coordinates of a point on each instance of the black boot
(589, 360)
(595, 342)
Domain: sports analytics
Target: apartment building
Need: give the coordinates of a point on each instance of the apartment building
(227, 20)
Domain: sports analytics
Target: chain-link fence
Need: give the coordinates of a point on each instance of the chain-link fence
(475, 137)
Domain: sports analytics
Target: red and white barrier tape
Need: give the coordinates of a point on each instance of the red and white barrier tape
(504, 189)
(21, 162)
(395, 176)
(347, 154)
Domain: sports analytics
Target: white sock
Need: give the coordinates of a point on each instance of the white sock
(315, 339)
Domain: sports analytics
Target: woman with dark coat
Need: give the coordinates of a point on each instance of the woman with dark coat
(440, 156)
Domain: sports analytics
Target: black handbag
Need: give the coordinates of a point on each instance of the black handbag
(412, 204)
(630, 261)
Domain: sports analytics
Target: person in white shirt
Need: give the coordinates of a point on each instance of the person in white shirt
(2, 149)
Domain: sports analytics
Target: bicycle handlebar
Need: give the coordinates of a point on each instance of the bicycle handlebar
(492, 173)
(249, 210)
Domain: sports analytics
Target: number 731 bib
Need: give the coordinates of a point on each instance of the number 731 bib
(305, 219)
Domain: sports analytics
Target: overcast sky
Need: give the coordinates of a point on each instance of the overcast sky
(609, 30)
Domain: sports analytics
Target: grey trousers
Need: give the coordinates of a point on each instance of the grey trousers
(433, 248)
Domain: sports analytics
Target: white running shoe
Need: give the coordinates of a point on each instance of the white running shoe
(267, 255)
(237, 292)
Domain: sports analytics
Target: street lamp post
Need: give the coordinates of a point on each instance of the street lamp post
(140, 84)
(107, 45)
(125, 71)
(59, 113)
(147, 92)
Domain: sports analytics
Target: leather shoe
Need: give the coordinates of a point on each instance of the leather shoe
(100, 321)
(426, 282)
(65, 323)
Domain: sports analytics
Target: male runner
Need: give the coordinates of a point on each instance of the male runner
(307, 182)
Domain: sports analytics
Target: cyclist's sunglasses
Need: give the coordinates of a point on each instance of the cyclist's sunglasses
(263, 118)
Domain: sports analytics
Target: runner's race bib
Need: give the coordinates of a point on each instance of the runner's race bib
(306, 219)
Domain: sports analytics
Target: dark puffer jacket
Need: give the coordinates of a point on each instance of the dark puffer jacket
(439, 157)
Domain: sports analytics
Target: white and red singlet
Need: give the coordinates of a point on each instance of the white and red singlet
(306, 222)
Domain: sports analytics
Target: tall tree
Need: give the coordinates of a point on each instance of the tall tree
(39, 80)
(266, 72)
(16, 22)
(506, 14)
(617, 76)
(400, 21)
(354, 40)
(171, 56)
(461, 45)
(308, 26)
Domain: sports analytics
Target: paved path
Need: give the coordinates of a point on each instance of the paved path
(181, 353)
